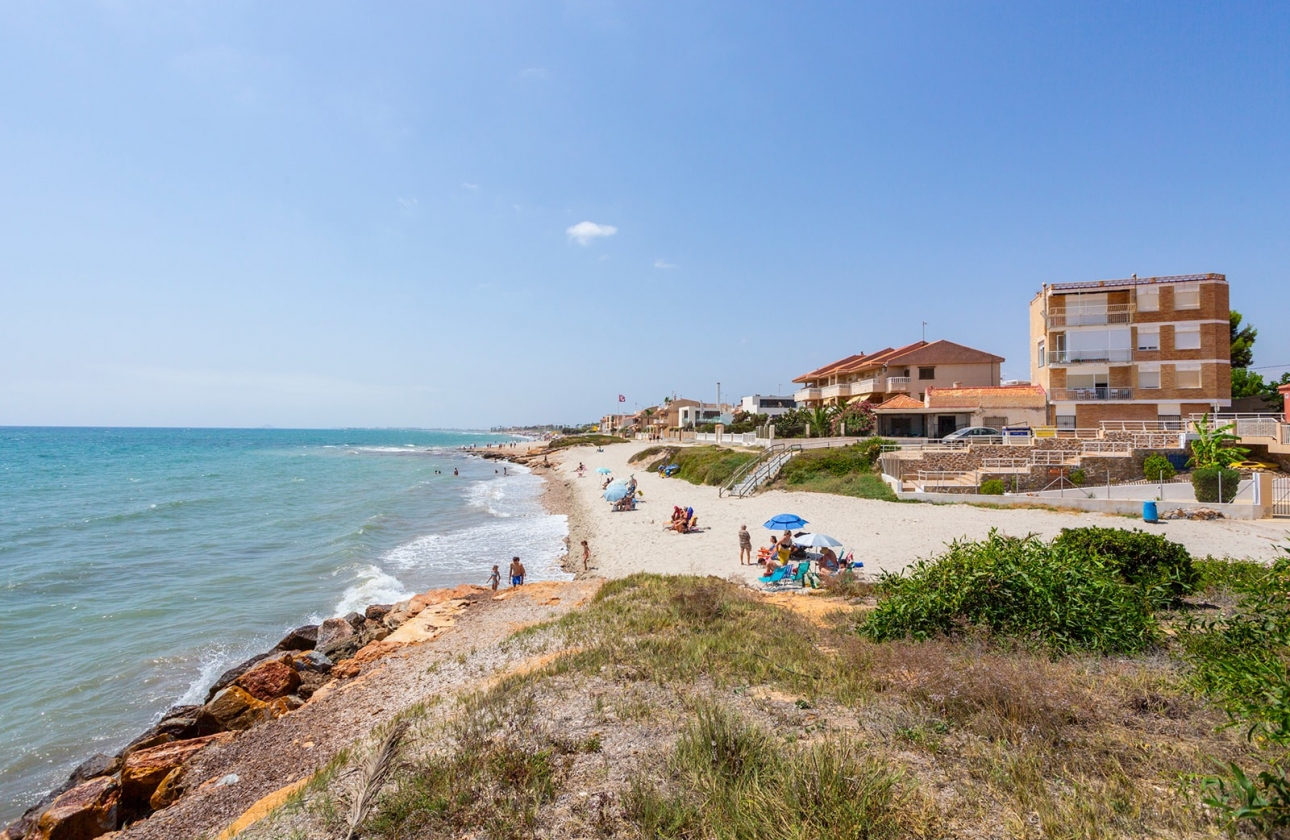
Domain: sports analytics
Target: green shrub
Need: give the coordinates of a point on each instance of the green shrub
(1141, 559)
(992, 487)
(1208, 480)
(1156, 467)
(1043, 593)
(651, 452)
(840, 461)
(1228, 575)
(1243, 660)
(584, 440)
(710, 465)
(1078, 477)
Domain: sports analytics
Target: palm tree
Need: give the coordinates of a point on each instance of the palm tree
(819, 420)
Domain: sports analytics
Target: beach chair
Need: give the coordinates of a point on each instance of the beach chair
(777, 577)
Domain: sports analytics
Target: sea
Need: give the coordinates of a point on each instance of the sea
(136, 565)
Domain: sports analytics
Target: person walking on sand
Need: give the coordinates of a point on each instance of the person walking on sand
(517, 572)
(586, 556)
(495, 578)
(745, 546)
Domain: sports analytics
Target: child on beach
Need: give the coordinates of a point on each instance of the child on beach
(745, 546)
(517, 572)
(495, 578)
(586, 556)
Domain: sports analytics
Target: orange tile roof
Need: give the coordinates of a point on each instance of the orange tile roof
(943, 353)
(900, 402)
(996, 396)
(827, 369)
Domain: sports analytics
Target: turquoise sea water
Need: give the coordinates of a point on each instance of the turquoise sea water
(137, 564)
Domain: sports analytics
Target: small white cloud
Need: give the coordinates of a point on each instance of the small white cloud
(466, 185)
(409, 204)
(664, 264)
(584, 232)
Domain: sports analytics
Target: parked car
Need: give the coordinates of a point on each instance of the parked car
(980, 434)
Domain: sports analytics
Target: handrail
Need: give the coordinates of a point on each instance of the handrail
(758, 471)
(738, 475)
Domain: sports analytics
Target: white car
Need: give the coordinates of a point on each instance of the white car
(980, 434)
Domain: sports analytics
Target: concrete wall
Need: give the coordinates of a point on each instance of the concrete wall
(1233, 511)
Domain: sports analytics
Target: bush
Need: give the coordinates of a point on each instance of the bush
(840, 461)
(1078, 477)
(1208, 480)
(1061, 599)
(1241, 660)
(584, 440)
(1156, 467)
(1146, 560)
(702, 464)
(992, 487)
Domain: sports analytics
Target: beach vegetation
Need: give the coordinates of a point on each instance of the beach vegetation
(1215, 446)
(1149, 561)
(1053, 596)
(710, 465)
(584, 440)
(1241, 658)
(842, 471)
(1156, 467)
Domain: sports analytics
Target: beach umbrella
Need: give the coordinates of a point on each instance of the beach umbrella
(785, 521)
(615, 492)
(603, 470)
(817, 541)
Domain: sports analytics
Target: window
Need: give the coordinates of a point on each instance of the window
(1148, 338)
(1065, 421)
(1187, 337)
(927, 373)
(1149, 299)
(1041, 354)
(1186, 376)
(1187, 297)
(1148, 379)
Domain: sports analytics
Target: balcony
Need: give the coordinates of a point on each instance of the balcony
(841, 389)
(866, 386)
(1090, 316)
(1061, 358)
(1098, 393)
(898, 384)
(807, 395)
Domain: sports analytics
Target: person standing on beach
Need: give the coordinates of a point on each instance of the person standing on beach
(586, 556)
(495, 578)
(517, 572)
(745, 546)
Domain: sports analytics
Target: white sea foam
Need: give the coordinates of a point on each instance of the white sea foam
(372, 586)
(215, 660)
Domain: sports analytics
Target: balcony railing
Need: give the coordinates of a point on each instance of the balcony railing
(807, 395)
(839, 389)
(898, 384)
(1090, 316)
(1087, 356)
(866, 386)
(1089, 394)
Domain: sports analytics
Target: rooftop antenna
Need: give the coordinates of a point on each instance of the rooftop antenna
(924, 331)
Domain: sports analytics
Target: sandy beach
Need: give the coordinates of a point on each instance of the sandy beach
(886, 536)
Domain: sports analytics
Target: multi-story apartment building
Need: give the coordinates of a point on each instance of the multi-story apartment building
(912, 369)
(1155, 348)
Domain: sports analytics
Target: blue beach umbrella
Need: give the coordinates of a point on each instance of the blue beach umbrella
(603, 470)
(785, 522)
(615, 491)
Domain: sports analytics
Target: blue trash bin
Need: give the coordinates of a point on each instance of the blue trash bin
(1149, 511)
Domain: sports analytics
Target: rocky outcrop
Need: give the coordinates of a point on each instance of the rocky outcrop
(233, 709)
(333, 630)
(269, 679)
(82, 813)
(302, 638)
(144, 770)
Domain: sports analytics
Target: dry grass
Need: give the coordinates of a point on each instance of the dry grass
(689, 707)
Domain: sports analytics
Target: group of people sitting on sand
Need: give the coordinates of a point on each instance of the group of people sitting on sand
(782, 550)
(684, 520)
(627, 502)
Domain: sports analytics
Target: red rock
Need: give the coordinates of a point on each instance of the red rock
(144, 770)
(271, 678)
(84, 812)
(279, 706)
(333, 630)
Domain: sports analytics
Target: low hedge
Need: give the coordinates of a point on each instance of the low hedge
(1141, 559)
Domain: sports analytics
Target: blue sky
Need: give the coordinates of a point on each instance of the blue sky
(324, 214)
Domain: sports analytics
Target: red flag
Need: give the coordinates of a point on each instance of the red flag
(621, 398)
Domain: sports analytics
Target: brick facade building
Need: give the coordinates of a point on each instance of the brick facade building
(1149, 349)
